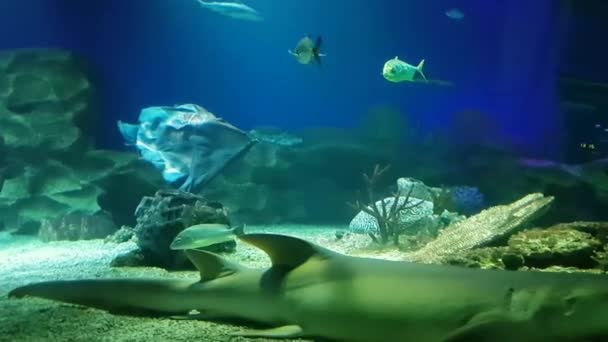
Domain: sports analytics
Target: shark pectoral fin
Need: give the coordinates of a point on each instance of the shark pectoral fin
(285, 331)
(286, 251)
(210, 265)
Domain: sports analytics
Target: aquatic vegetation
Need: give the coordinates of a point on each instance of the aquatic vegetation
(187, 143)
(387, 213)
(356, 301)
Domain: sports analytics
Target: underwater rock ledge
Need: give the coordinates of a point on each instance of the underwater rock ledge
(489, 225)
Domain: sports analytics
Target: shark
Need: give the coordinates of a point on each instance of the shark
(312, 291)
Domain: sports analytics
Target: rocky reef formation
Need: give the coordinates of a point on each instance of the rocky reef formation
(159, 220)
(50, 173)
(310, 175)
(484, 228)
(575, 246)
(77, 227)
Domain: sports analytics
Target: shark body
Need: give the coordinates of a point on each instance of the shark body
(311, 291)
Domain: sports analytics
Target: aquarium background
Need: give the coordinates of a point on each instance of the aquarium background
(516, 79)
(504, 57)
(499, 162)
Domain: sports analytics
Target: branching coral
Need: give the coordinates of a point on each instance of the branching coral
(386, 211)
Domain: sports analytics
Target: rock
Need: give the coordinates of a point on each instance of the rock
(385, 126)
(485, 258)
(162, 217)
(561, 247)
(124, 234)
(134, 258)
(555, 246)
(482, 229)
(46, 105)
(275, 136)
(46, 99)
(76, 227)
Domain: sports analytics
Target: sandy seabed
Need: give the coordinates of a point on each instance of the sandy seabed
(24, 260)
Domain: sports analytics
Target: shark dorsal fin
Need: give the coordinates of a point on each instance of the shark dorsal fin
(286, 251)
(210, 265)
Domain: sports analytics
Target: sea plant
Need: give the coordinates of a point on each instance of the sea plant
(386, 212)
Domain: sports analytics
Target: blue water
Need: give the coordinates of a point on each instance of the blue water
(504, 58)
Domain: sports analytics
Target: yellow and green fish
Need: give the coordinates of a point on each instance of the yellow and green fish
(396, 70)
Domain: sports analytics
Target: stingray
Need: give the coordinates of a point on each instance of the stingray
(187, 143)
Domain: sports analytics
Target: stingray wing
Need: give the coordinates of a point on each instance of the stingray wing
(215, 144)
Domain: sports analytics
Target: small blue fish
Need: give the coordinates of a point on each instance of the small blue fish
(455, 13)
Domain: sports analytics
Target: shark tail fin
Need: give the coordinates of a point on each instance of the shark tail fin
(419, 69)
(316, 51)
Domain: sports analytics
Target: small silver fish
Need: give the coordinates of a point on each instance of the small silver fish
(307, 51)
(232, 9)
(204, 235)
(396, 70)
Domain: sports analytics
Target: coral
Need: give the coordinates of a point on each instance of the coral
(490, 225)
(564, 247)
(541, 248)
(466, 199)
(413, 212)
(161, 218)
(390, 217)
(419, 223)
(486, 258)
